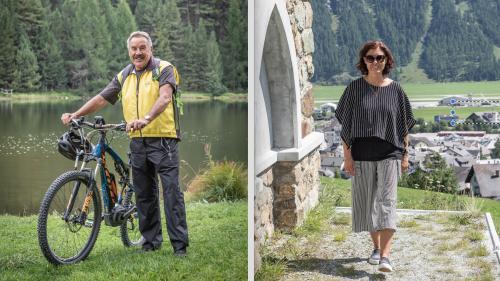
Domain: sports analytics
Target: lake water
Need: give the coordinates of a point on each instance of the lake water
(29, 160)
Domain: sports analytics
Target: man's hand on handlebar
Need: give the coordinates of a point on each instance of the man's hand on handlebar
(137, 125)
(66, 118)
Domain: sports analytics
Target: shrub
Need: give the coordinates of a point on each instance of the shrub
(219, 181)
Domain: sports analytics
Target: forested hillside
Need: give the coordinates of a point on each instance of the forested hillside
(446, 40)
(81, 45)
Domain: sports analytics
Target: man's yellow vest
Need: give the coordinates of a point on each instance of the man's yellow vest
(139, 94)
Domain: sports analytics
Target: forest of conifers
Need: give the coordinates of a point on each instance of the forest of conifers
(459, 39)
(80, 45)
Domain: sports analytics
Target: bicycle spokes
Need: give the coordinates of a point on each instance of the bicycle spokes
(70, 219)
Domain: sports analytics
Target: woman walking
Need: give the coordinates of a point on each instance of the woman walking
(376, 116)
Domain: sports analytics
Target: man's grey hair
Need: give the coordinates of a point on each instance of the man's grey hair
(139, 34)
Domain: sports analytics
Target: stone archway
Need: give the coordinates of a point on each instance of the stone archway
(281, 84)
(277, 90)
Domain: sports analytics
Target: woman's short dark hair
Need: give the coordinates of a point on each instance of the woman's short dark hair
(389, 61)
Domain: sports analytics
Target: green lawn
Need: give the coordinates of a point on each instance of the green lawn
(432, 91)
(428, 113)
(218, 251)
(66, 96)
(338, 191)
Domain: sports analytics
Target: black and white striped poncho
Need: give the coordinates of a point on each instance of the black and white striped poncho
(365, 110)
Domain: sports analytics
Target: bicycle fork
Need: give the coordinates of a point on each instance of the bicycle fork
(86, 202)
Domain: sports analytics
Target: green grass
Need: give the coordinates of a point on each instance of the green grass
(412, 72)
(200, 96)
(474, 235)
(340, 236)
(218, 251)
(421, 91)
(339, 193)
(479, 251)
(40, 96)
(67, 96)
(428, 113)
(407, 223)
(270, 270)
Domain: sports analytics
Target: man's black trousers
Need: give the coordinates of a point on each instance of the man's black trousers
(151, 157)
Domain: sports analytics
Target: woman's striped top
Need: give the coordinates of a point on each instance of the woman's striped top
(365, 110)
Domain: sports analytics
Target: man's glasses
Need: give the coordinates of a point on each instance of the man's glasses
(379, 58)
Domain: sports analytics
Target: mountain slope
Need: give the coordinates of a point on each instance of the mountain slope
(445, 40)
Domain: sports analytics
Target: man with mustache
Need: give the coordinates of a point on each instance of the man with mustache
(147, 89)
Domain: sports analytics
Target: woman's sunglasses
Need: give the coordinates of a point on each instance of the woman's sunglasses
(379, 58)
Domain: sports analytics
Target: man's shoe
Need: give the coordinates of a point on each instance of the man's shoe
(180, 253)
(149, 248)
(143, 250)
(385, 265)
(375, 257)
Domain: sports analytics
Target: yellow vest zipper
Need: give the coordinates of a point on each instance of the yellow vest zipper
(137, 98)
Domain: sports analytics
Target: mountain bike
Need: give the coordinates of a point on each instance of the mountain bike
(73, 207)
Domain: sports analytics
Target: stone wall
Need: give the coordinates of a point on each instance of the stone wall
(264, 205)
(284, 193)
(296, 190)
(301, 19)
(263, 212)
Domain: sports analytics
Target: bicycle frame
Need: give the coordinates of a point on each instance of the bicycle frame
(109, 192)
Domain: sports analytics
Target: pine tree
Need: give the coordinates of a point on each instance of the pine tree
(176, 35)
(214, 72)
(26, 77)
(194, 10)
(161, 41)
(125, 24)
(90, 46)
(199, 78)
(323, 57)
(187, 66)
(234, 49)
(30, 17)
(53, 74)
(144, 15)
(8, 34)
(495, 152)
(113, 61)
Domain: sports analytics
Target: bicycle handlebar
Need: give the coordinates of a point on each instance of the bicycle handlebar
(77, 123)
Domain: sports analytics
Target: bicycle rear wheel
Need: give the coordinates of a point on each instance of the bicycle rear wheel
(129, 230)
(68, 239)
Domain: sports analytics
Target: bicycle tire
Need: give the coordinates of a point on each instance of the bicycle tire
(52, 227)
(129, 229)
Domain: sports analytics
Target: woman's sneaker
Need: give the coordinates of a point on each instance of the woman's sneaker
(375, 257)
(385, 265)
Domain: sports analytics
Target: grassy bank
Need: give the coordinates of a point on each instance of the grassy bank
(428, 113)
(218, 251)
(40, 96)
(431, 91)
(67, 96)
(227, 97)
(338, 192)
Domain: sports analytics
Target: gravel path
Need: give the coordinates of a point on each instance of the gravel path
(425, 247)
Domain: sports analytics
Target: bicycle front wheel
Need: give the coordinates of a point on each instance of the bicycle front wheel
(69, 219)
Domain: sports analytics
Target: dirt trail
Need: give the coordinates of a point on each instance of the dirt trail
(426, 247)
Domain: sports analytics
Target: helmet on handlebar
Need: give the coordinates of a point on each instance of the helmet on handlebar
(70, 143)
